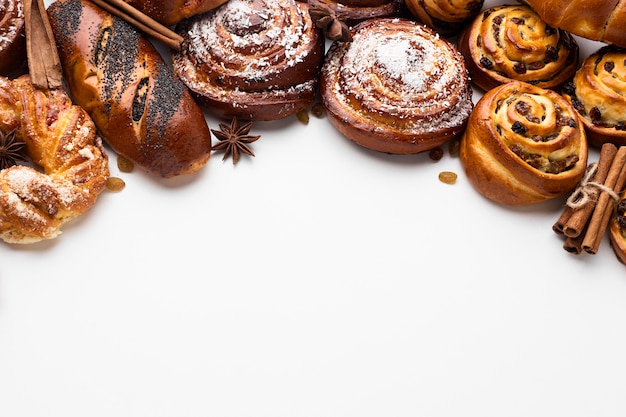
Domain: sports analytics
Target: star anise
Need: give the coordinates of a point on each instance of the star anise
(326, 19)
(11, 150)
(234, 139)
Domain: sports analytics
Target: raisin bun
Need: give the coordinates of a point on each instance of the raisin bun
(505, 43)
(598, 92)
(523, 145)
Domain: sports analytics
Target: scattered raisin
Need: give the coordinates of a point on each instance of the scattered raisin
(124, 164)
(435, 154)
(609, 66)
(447, 177)
(453, 147)
(303, 117)
(115, 184)
(318, 110)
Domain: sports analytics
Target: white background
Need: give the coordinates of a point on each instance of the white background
(315, 279)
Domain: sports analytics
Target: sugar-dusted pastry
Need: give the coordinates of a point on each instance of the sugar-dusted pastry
(252, 59)
(143, 111)
(397, 87)
(598, 92)
(355, 11)
(445, 16)
(523, 145)
(61, 139)
(617, 229)
(505, 43)
(12, 38)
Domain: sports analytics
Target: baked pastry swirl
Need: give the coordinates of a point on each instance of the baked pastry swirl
(523, 145)
(12, 38)
(505, 43)
(445, 16)
(355, 11)
(598, 92)
(61, 139)
(252, 59)
(397, 87)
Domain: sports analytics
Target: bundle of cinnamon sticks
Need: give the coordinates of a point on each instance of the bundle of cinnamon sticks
(590, 207)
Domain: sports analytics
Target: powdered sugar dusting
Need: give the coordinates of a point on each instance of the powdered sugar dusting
(403, 69)
(12, 17)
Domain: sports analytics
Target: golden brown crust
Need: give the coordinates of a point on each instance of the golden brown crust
(507, 43)
(617, 230)
(61, 139)
(253, 60)
(170, 12)
(355, 11)
(523, 145)
(12, 39)
(396, 88)
(142, 109)
(598, 92)
(600, 20)
(445, 16)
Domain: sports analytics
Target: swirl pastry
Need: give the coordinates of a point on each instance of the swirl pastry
(252, 59)
(598, 92)
(61, 139)
(355, 11)
(143, 111)
(505, 43)
(445, 16)
(617, 230)
(12, 38)
(397, 87)
(523, 145)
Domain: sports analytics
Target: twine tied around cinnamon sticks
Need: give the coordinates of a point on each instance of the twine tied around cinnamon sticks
(588, 212)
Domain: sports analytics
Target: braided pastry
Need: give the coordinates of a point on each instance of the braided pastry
(598, 92)
(507, 43)
(12, 38)
(61, 139)
(598, 20)
(523, 145)
(445, 16)
(355, 11)
(252, 59)
(397, 87)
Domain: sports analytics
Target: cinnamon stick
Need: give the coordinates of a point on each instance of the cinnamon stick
(599, 221)
(44, 64)
(578, 219)
(142, 22)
